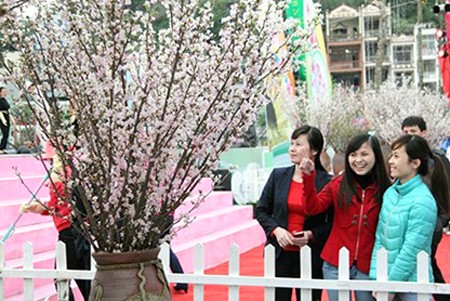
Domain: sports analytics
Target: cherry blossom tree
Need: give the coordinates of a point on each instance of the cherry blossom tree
(154, 109)
(386, 109)
(7, 6)
(338, 118)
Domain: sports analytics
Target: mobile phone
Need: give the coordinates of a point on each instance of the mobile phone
(299, 234)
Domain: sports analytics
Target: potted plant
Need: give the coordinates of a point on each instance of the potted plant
(154, 108)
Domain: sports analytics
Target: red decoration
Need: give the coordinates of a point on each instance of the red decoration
(444, 62)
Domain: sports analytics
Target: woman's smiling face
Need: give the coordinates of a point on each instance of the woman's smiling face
(362, 160)
(400, 165)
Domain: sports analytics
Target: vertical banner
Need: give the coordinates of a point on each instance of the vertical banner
(314, 64)
(279, 112)
(283, 98)
(313, 71)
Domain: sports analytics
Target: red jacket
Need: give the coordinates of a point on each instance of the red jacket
(62, 208)
(353, 227)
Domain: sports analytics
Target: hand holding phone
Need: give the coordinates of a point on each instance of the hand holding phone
(298, 234)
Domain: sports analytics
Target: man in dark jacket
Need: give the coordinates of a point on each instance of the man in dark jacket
(4, 119)
(415, 125)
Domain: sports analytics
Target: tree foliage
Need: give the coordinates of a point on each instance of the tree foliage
(154, 108)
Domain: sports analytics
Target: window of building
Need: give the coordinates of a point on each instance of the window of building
(403, 54)
(348, 80)
(430, 86)
(429, 66)
(371, 51)
(344, 54)
(371, 23)
(371, 26)
(429, 46)
(429, 69)
(403, 77)
(370, 76)
(340, 31)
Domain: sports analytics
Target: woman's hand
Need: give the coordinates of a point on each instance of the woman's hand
(303, 240)
(34, 206)
(306, 166)
(284, 237)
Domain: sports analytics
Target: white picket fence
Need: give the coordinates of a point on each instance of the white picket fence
(234, 280)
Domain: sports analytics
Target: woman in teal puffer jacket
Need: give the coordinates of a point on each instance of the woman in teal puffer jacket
(409, 211)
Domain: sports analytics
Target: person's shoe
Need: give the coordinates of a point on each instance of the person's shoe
(181, 287)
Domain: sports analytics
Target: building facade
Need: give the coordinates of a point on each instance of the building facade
(352, 43)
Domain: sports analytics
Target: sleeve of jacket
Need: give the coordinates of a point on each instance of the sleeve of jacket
(322, 230)
(316, 203)
(58, 202)
(264, 208)
(420, 228)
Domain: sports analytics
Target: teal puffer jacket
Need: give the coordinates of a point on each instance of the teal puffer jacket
(405, 227)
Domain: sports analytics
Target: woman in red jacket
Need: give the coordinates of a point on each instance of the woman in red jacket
(60, 208)
(356, 197)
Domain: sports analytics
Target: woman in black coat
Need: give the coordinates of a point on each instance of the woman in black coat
(4, 119)
(280, 212)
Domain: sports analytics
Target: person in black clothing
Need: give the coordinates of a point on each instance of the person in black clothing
(174, 262)
(4, 119)
(280, 212)
(415, 125)
(78, 251)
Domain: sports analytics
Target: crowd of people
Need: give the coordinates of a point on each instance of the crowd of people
(399, 203)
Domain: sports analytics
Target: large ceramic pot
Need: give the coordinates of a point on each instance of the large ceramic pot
(129, 276)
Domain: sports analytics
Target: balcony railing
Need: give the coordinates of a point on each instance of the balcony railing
(372, 33)
(345, 64)
(334, 37)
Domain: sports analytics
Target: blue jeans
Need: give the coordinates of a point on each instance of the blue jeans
(407, 296)
(332, 272)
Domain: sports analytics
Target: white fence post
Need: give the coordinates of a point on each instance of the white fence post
(2, 264)
(382, 272)
(423, 275)
(28, 264)
(164, 255)
(305, 271)
(62, 284)
(344, 273)
(233, 290)
(269, 271)
(199, 269)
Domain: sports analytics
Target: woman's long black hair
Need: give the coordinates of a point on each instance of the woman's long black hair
(315, 141)
(347, 188)
(417, 147)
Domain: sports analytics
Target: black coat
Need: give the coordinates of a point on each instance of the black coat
(4, 105)
(271, 210)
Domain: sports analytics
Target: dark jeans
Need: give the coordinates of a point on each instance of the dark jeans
(175, 265)
(317, 272)
(78, 258)
(5, 132)
(287, 265)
